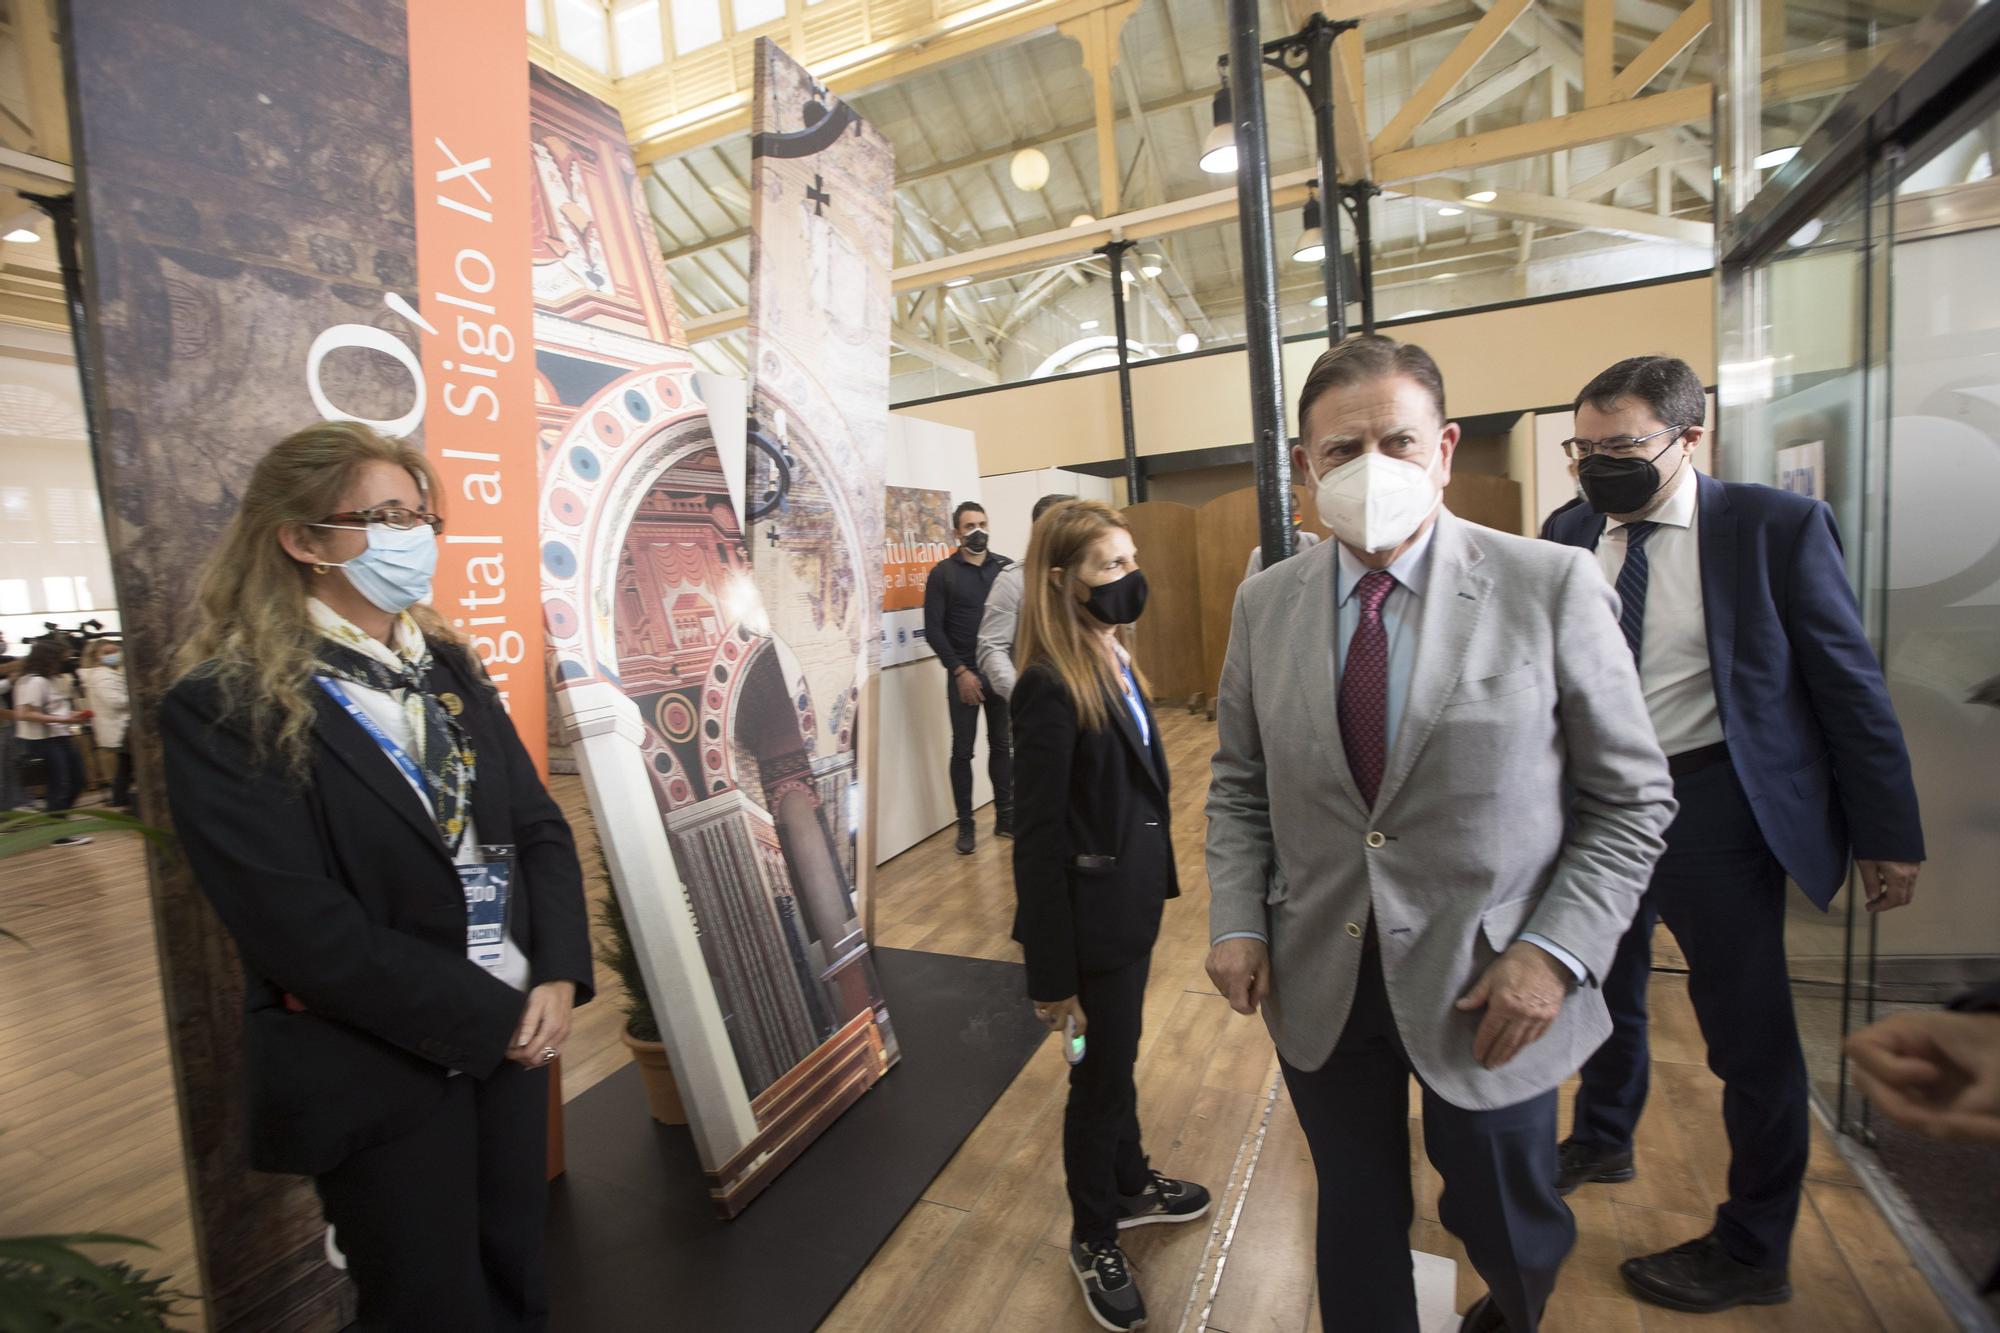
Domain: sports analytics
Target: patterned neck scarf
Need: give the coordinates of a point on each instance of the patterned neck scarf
(403, 673)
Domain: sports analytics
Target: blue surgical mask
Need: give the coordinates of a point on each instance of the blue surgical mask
(113, 659)
(394, 573)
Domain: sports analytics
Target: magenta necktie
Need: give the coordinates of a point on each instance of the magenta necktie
(1364, 687)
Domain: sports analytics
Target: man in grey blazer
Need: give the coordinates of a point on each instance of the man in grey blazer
(1435, 805)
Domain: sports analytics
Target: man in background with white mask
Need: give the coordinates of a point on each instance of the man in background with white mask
(1433, 812)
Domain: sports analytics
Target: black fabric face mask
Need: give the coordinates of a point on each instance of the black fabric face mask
(1119, 603)
(975, 541)
(1620, 485)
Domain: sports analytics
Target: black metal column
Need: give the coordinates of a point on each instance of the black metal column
(1135, 473)
(1319, 87)
(1358, 194)
(61, 210)
(1270, 457)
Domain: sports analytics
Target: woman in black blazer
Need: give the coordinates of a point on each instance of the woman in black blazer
(403, 892)
(1093, 867)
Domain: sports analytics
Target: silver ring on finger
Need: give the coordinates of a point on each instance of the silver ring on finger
(548, 1053)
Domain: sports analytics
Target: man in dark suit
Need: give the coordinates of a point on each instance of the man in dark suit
(1787, 759)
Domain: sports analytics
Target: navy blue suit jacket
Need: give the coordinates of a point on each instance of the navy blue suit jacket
(1806, 713)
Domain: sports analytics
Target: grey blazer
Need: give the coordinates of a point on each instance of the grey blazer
(1524, 791)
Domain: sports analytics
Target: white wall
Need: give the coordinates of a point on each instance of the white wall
(1010, 499)
(53, 561)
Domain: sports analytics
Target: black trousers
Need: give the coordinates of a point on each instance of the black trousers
(1102, 1154)
(62, 771)
(121, 779)
(999, 748)
(1498, 1167)
(1722, 893)
(443, 1228)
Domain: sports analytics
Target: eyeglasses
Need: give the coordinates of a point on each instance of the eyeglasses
(389, 516)
(1617, 444)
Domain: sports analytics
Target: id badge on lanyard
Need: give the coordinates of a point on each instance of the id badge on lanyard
(487, 886)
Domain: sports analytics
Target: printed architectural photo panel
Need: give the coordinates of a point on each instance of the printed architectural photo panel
(693, 717)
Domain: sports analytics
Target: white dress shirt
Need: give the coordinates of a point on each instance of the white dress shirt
(1674, 666)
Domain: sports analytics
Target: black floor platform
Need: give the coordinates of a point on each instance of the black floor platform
(634, 1243)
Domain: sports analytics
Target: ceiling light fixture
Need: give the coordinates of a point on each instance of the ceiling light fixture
(1087, 325)
(1029, 170)
(1318, 302)
(25, 228)
(1777, 157)
(1082, 220)
(1151, 268)
(1311, 248)
(1482, 196)
(1218, 150)
(959, 282)
(1449, 212)
(1186, 343)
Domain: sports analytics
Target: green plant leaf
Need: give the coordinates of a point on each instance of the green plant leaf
(27, 831)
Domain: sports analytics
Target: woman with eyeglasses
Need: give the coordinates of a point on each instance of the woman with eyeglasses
(1093, 868)
(404, 894)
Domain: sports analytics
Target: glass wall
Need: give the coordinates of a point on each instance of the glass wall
(1861, 353)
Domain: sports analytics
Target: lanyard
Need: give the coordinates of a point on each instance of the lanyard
(389, 747)
(1138, 709)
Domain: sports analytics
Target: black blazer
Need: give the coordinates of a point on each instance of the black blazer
(340, 893)
(1093, 837)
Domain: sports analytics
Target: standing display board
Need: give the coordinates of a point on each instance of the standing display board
(707, 660)
(342, 237)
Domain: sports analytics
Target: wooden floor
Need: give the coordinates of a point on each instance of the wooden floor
(89, 1141)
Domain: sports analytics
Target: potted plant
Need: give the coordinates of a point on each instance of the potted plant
(641, 1033)
(47, 1283)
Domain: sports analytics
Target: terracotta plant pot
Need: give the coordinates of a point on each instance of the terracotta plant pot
(663, 1095)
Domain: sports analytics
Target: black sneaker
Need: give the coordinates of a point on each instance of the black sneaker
(1584, 1164)
(966, 837)
(1165, 1200)
(1109, 1292)
(1003, 822)
(1702, 1277)
(69, 842)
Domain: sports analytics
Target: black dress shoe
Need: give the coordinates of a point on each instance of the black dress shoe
(966, 838)
(1584, 1163)
(1702, 1277)
(1483, 1317)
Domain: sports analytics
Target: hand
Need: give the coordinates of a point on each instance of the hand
(544, 1024)
(969, 692)
(1522, 991)
(1937, 1073)
(1055, 1014)
(1888, 885)
(1241, 970)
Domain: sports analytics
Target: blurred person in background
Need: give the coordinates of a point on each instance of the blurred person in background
(45, 719)
(355, 802)
(954, 599)
(1003, 609)
(104, 689)
(12, 795)
(1093, 869)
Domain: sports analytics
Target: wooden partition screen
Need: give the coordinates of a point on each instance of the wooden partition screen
(1167, 641)
(1490, 501)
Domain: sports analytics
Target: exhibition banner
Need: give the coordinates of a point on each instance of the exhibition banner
(917, 535)
(294, 211)
(713, 735)
(478, 416)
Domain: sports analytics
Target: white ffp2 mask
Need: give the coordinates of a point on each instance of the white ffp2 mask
(1374, 502)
